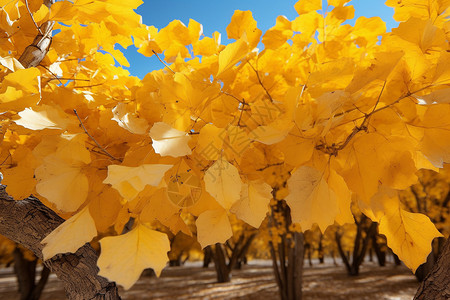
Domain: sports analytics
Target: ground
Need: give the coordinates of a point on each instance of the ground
(255, 281)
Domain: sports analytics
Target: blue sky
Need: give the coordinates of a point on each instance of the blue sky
(215, 15)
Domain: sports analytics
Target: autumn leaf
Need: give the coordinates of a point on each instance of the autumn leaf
(435, 143)
(70, 235)
(61, 177)
(222, 181)
(409, 235)
(305, 6)
(44, 117)
(123, 258)
(243, 25)
(210, 142)
(127, 119)
(253, 205)
(169, 141)
(213, 226)
(129, 181)
(231, 55)
(311, 199)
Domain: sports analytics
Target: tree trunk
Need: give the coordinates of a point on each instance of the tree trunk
(320, 250)
(381, 255)
(25, 273)
(436, 285)
(26, 276)
(207, 256)
(359, 248)
(27, 222)
(222, 269)
(287, 257)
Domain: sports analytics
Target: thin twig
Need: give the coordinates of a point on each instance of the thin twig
(260, 82)
(88, 86)
(233, 96)
(167, 66)
(270, 165)
(54, 75)
(92, 138)
(31, 15)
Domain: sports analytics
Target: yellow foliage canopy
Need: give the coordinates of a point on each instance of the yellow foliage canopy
(325, 113)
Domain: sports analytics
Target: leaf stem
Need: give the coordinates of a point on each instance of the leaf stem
(166, 65)
(32, 18)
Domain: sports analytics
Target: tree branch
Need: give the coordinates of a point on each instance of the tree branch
(28, 222)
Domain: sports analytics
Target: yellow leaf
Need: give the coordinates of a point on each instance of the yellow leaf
(423, 9)
(208, 45)
(158, 206)
(435, 143)
(367, 29)
(242, 24)
(231, 55)
(173, 39)
(222, 181)
(43, 117)
(104, 208)
(297, 150)
(11, 63)
(19, 181)
(129, 181)
(409, 235)
(307, 23)
(184, 186)
(337, 3)
(378, 161)
(124, 257)
(442, 72)
(271, 134)
(437, 96)
(61, 178)
(277, 35)
(62, 11)
(344, 198)
(253, 205)
(126, 118)
(210, 142)
(382, 66)
(168, 141)
(311, 199)
(18, 86)
(213, 226)
(305, 6)
(70, 235)
(195, 30)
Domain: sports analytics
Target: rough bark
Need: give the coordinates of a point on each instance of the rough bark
(29, 221)
(223, 271)
(436, 285)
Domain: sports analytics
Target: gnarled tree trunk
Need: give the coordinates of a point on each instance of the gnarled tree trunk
(436, 285)
(28, 222)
